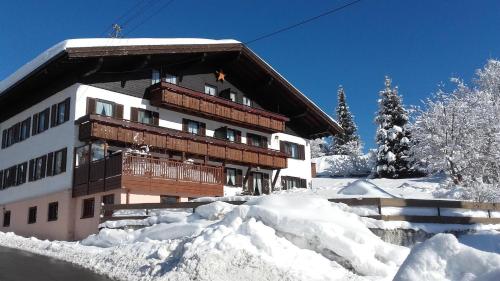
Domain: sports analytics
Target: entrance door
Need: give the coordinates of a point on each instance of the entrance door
(257, 183)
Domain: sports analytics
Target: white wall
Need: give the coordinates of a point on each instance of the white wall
(172, 119)
(50, 140)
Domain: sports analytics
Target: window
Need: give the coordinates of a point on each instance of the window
(247, 101)
(193, 127)
(144, 116)
(43, 121)
(234, 177)
(60, 113)
(9, 177)
(25, 129)
(21, 173)
(82, 155)
(231, 135)
(210, 90)
(155, 77)
(104, 108)
(97, 151)
(32, 215)
(59, 165)
(37, 168)
(108, 200)
(293, 150)
(88, 208)
(232, 96)
(293, 182)
(166, 199)
(53, 211)
(169, 78)
(1, 179)
(256, 140)
(6, 219)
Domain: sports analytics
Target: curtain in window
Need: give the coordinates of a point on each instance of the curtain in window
(231, 177)
(105, 109)
(193, 127)
(257, 183)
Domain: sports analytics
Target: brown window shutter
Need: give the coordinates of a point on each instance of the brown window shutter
(203, 129)
(302, 152)
(134, 114)
(53, 116)
(265, 183)
(35, 125)
(4, 139)
(263, 142)
(31, 175)
(239, 177)
(64, 160)
(185, 125)
(67, 109)
(91, 104)
(44, 165)
(28, 127)
(282, 146)
(156, 118)
(238, 136)
(50, 164)
(118, 111)
(1, 179)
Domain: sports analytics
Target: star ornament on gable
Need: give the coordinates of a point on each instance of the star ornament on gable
(221, 76)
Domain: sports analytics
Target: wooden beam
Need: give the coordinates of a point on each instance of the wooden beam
(275, 178)
(245, 179)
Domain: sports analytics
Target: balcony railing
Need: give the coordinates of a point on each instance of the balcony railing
(146, 174)
(124, 131)
(184, 99)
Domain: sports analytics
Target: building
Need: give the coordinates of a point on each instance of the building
(120, 121)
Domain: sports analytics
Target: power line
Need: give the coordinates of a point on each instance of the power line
(161, 8)
(124, 15)
(302, 22)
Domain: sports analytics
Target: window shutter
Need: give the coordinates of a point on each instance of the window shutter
(185, 125)
(282, 146)
(156, 118)
(302, 152)
(238, 136)
(47, 118)
(239, 177)
(64, 160)
(134, 114)
(118, 111)
(263, 142)
(31, 172)
(67, 109)
(203, 129)
(4, 138)
(265, 183)
(249, 139)
(1, 179)
(50, 164)
(53, 116)
(44, 166)
(91, 104)
(35, 125)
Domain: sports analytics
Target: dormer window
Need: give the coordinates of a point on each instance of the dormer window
(210, 90)
(232, 96)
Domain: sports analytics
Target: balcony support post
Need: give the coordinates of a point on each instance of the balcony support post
(245, 179)
(275, 178)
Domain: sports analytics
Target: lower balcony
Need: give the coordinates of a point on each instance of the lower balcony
(146, 175)
(95, 127)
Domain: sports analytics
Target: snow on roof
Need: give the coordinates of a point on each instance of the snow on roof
(100, 42)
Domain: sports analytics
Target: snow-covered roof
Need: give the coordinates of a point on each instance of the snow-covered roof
(100, 42)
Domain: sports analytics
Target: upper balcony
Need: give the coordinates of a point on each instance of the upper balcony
(197, 103)
(127, 132)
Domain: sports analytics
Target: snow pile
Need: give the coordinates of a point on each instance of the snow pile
(343, 165)
(364, 188)
(276, 237)
(488, 241)
(444, 258)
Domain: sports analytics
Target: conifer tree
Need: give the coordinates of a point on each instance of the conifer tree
(393, 135)
(347, 143)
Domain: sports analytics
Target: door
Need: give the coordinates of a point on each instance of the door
(257, 183)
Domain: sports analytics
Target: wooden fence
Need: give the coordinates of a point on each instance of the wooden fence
(379, 203)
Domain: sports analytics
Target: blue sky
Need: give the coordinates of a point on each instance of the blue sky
(418, 43)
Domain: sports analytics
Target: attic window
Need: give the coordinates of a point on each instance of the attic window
(210, 90)
(247, 101)
(155, 77)
(169, 78)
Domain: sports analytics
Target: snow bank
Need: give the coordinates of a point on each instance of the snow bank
(444, 258)
(488, 241)
(343, 165)
(365, 189)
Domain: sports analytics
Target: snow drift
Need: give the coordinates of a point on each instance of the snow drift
(444, 258)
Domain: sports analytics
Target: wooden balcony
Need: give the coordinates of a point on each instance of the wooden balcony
(93, 127)
(147, 175)
(186, 100)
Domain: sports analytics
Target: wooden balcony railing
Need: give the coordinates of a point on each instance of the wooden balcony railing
(145, 174)
(124, 131)
(184, 99)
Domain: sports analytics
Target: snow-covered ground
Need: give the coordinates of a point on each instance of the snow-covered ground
(286, 236)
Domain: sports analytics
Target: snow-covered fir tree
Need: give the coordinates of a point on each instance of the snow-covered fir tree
(347, 143)
(319, 147)
(393, 136)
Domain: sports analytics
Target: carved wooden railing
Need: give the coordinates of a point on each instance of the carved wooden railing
(124, 131)
(184, 99)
